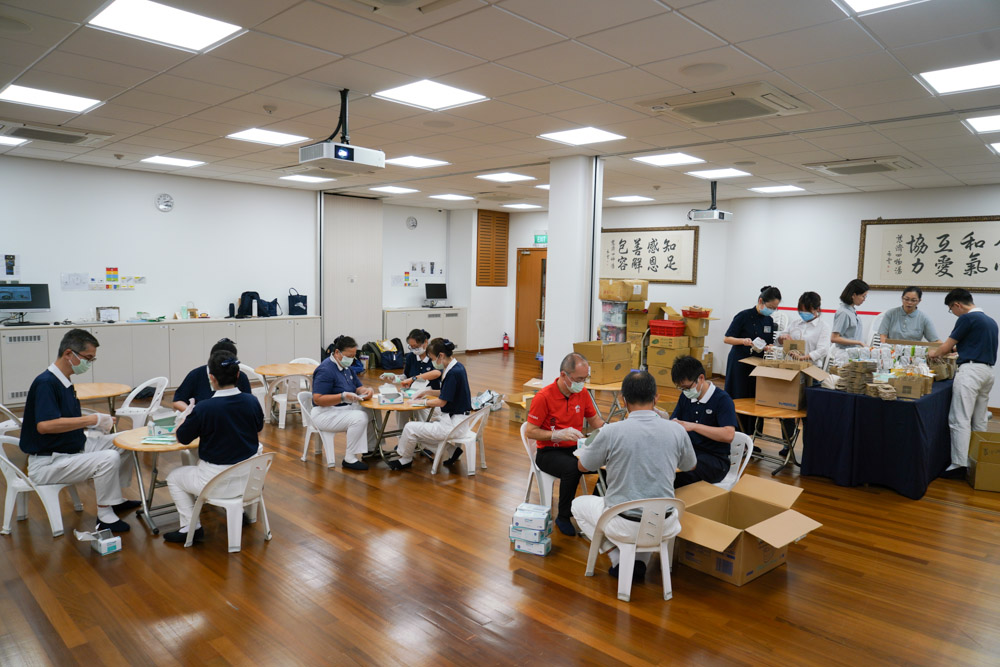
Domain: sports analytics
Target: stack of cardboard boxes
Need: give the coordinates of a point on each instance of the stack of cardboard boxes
(617, 298)
(609, 362)
(530, 529)
(984, 461)
(665, 349)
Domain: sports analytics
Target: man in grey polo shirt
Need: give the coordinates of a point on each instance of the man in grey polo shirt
(907, 322)
(641, 455)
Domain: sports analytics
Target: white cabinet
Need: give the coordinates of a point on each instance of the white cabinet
(447, 323)
(281, 341)
(307, 341)
(55, 336)
(150, 358)
(25, 354)
(114, 356)
(396, 324)
(251, 341)
(453, 327)
(186, 351)
(213, 332)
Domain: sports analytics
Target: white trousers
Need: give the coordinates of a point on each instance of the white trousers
(970, 395)
(428, 434)
(351, 418)
(100, 460)
(186, 482)
(587, 511)
(405, 417)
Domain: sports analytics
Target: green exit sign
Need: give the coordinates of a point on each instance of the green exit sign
(541, 238)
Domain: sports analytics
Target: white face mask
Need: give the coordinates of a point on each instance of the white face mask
(419, 351)
(345, 362)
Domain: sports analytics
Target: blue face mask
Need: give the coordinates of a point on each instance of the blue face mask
(807, 317)
(767, 312)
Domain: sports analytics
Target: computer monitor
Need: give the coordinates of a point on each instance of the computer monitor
(24, 298)
(436, 291)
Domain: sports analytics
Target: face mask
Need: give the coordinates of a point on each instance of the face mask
(345, 362)
(575, 387)
(767, 312)
(807, 317)
(83, 366)
(692, 393)
(437, 366)
(419, 351)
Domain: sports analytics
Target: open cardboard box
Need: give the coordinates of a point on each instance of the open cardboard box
(519, 409)
(638, 315)
(783, 384)
(697, 327)
(984, 461)
(609, 362)
(623, 290)
(738, 535)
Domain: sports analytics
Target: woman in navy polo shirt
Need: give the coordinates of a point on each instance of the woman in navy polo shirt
(418, 366)
(454, 400)
(196, 384)
(747, 326)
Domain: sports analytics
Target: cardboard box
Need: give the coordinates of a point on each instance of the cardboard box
(707, 361)
(534, 384)
(697, 341)
(529, 534)
(669, 342)
(537, 548)
(671, 314)
(793, 346)
(984, 446)
(611, 333)
(519, 409)
(738, 535)
(783, 386)
(607, 372)
(697, 352)
(532, 520)
(664, 357)
(623, 290)
(595, 351)
(697, 326)
(911, 386)
(662, 376)
(638, 317)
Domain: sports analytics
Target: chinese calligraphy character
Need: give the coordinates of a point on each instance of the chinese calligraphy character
(670, 263)
(918, 266)
(970, 242)
(653, 247)
(623, 246)
(943, 266)
(622, 263)
(652, 264)
(974, 265)
(944, 244)
(637, 248)
(637, 263)
(668, 246)
(917, 244)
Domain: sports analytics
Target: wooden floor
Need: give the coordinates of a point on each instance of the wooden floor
(412, 568)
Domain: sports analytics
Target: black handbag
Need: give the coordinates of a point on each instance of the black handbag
(296, 302)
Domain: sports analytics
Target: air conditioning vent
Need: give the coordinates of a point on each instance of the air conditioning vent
(403, 9)
(727, 105)
(51, 133)
(874, 165)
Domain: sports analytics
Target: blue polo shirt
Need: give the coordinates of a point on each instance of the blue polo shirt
(51, 396)
(412, 367)
(227, 423)
(716, 410)
(330, 378)
(455, 390)
(976, 333)
(750, 324)
(197, 386)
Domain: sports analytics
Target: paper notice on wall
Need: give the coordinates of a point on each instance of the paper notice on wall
(74, 282)
(11, 266)
(111, 274)
(396, 281)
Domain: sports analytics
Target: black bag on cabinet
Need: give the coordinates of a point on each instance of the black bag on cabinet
(296, 303)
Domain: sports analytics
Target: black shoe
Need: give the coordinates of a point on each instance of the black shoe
(246, 519)
(118, 526)
(428, 453)
(455, 456)
(396, 465)
(638, 571)
(565, 527)
(126, 505)
(784, 452)
(357, 465)
(954, 473)
(757, 451)
(177, 537)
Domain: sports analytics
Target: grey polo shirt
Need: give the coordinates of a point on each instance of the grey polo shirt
(641, 455)
(899, 325)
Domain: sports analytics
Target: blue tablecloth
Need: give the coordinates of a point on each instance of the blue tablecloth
(855, 439)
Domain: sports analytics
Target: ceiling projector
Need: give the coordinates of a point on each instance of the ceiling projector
(710, 214)
(341, 158)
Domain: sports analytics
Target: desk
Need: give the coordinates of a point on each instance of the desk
(277, 371)
(88, 391)
(749, 408)
(855, 439)
(132, 441)
(616, 407)
(380, 433)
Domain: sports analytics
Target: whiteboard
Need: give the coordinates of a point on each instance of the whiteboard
(656, 254)
(937, 254)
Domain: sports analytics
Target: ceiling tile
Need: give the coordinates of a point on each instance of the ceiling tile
(407, 18)
(828, 41)
(852, 70)
(599, 115)
(189, 89)
(491, 80)
(117, 48)
(184, 136)
(271, 53)
(490, 33)
(892, 90)
(118, 128)
(622, 84)
(689, 71)
(23, 112)
(77, 11)
(490, 112)
(658, 38)
(580, 17)
(153, 102)
(45, 31)
(811, 120)
(951, 52)
(116, 111)
(418, 57)
(328, 29)
(244, 13)
(357, 76)
(887, 110)
(91, 69)
(563, 61)
(19, 53)
(740, 20)
(221, 72)
(301, 92)
(931, 21)
(547, 100)
(70, 85)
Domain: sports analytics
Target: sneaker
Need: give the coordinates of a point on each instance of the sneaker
(118, 526)
(177, 537)
(357, 465)
(455, 456)
(565, 527)
(126, 505)
(394, 464)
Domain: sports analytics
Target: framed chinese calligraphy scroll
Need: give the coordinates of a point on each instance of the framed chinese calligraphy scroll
(656, 254)
(932, 253)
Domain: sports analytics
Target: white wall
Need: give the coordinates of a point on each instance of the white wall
(401, 246)
(352, 273)
(221, 238)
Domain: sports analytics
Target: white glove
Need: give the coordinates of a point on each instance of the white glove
(350, 397)
(423, 393)
(566, 434)
(104, 423)
(391, 377)
(184, 415)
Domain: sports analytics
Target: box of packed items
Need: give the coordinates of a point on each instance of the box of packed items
(662, 376)
(670, 342)
(984, 461)
(708, 360)
(791, 345)
(623, 290)
(738, 535)
(613, 312)
(639, 315)
(782, 384)
(530, 529)
(519, 409)
(911, 386)
(609, 362)
(664, 357)
(610, 333)
(696, 321)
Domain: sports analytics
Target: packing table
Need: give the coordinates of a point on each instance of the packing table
(380, 418)
(749, 408)
(132, 441)
(855, 439)
(616, 408)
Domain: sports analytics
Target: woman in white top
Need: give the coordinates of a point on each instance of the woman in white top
(847, 329)
(811, 328)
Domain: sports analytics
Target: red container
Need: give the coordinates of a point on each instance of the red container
(695, 314)
(666, 328)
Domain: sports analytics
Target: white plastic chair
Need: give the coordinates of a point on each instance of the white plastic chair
(261, 391)
(465, 434)
(780, 323)
(304, 360)
(140, 415)
(251, 474)
(283, 388)
(19, 485)
(655, 534)
(544, 480)
(10, 421)
(325, 437)
(873, 336)
(739, 456)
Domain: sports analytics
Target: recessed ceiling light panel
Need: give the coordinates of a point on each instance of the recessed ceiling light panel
(983, 124)
(416, 162)
(452, 197)
(430, 95)
(967, 77)
(171, 161)
(543, 187)
(307, 179)
(630, 198)
(394, 190)
(162, 24)
(521, 206)
(777, 189)
(861, 6)
(668, 159)
(505, 177)
(12, 141)
(268, 137)
(47, 99)
(718, 173)
(581, 136)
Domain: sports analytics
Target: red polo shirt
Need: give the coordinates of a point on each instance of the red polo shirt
(552, 410)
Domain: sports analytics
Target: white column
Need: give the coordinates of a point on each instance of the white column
(576, 183)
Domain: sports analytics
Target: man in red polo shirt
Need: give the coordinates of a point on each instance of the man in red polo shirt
(555, 422)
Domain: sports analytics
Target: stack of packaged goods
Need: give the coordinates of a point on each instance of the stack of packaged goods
(667, 343)
(616, 295)
(609, 362)
(857, 374)
(881, 390)
(530, 529)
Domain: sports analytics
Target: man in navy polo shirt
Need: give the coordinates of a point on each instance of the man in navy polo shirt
(337, 390)
(66, 447)
(197, 386)
(708, 415)
(975, 337)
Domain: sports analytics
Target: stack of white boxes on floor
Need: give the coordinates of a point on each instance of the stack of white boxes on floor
(530, 529)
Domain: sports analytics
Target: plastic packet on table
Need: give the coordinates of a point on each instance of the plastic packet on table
(419, 385)
(389, 394)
